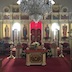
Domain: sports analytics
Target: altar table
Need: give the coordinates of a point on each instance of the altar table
(36, 57)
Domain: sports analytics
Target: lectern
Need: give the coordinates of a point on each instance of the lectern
(36, 57)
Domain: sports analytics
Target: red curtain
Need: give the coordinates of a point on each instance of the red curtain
(34, 25)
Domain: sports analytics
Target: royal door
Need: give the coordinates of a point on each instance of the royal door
(36, 31)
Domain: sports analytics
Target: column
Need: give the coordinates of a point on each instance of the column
(44, 59)
(27, 59)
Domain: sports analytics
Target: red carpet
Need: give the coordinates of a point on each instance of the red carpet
(53, 65)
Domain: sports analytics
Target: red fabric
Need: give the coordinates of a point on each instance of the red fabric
(24, 45)
(65, 45)
(34, 25)
(47, 45)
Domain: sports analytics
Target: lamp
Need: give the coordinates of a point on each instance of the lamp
(36, 8)
(11, 55)
(55, 28)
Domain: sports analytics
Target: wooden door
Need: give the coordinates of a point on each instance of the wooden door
(36, 35)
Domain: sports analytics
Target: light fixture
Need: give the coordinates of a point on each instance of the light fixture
(16, 26)
(55, 28)
(36, 8)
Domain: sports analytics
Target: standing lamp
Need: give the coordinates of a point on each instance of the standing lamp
(11, 55)
(61, 52)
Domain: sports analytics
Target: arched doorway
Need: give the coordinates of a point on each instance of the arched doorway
(15, 31)
(36, 29)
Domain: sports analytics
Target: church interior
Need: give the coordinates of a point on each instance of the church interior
(34, 40)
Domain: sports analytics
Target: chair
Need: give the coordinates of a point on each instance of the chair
(24, 46)
(66, 48)
(48, 47)
(6, 49)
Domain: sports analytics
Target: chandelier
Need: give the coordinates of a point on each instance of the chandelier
(36, 8)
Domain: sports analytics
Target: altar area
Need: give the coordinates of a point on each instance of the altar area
(18, 27)
(35, 57)
(35, 54)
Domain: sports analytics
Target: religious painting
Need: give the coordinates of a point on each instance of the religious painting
(64, 16)
(70, 15)
(33, 31)
(64, 30)
(56, 16)
(46, 31)
(15, 16)
(6, 30)
(23, 16)
(56, 8)
(6, 9)
(39, 38)
(33, 38)
(71, 25)
(25, 31)
(38, 35)
(48, 17)
(38, 31)
(6, 16)
(15, 9)
(64, 9)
